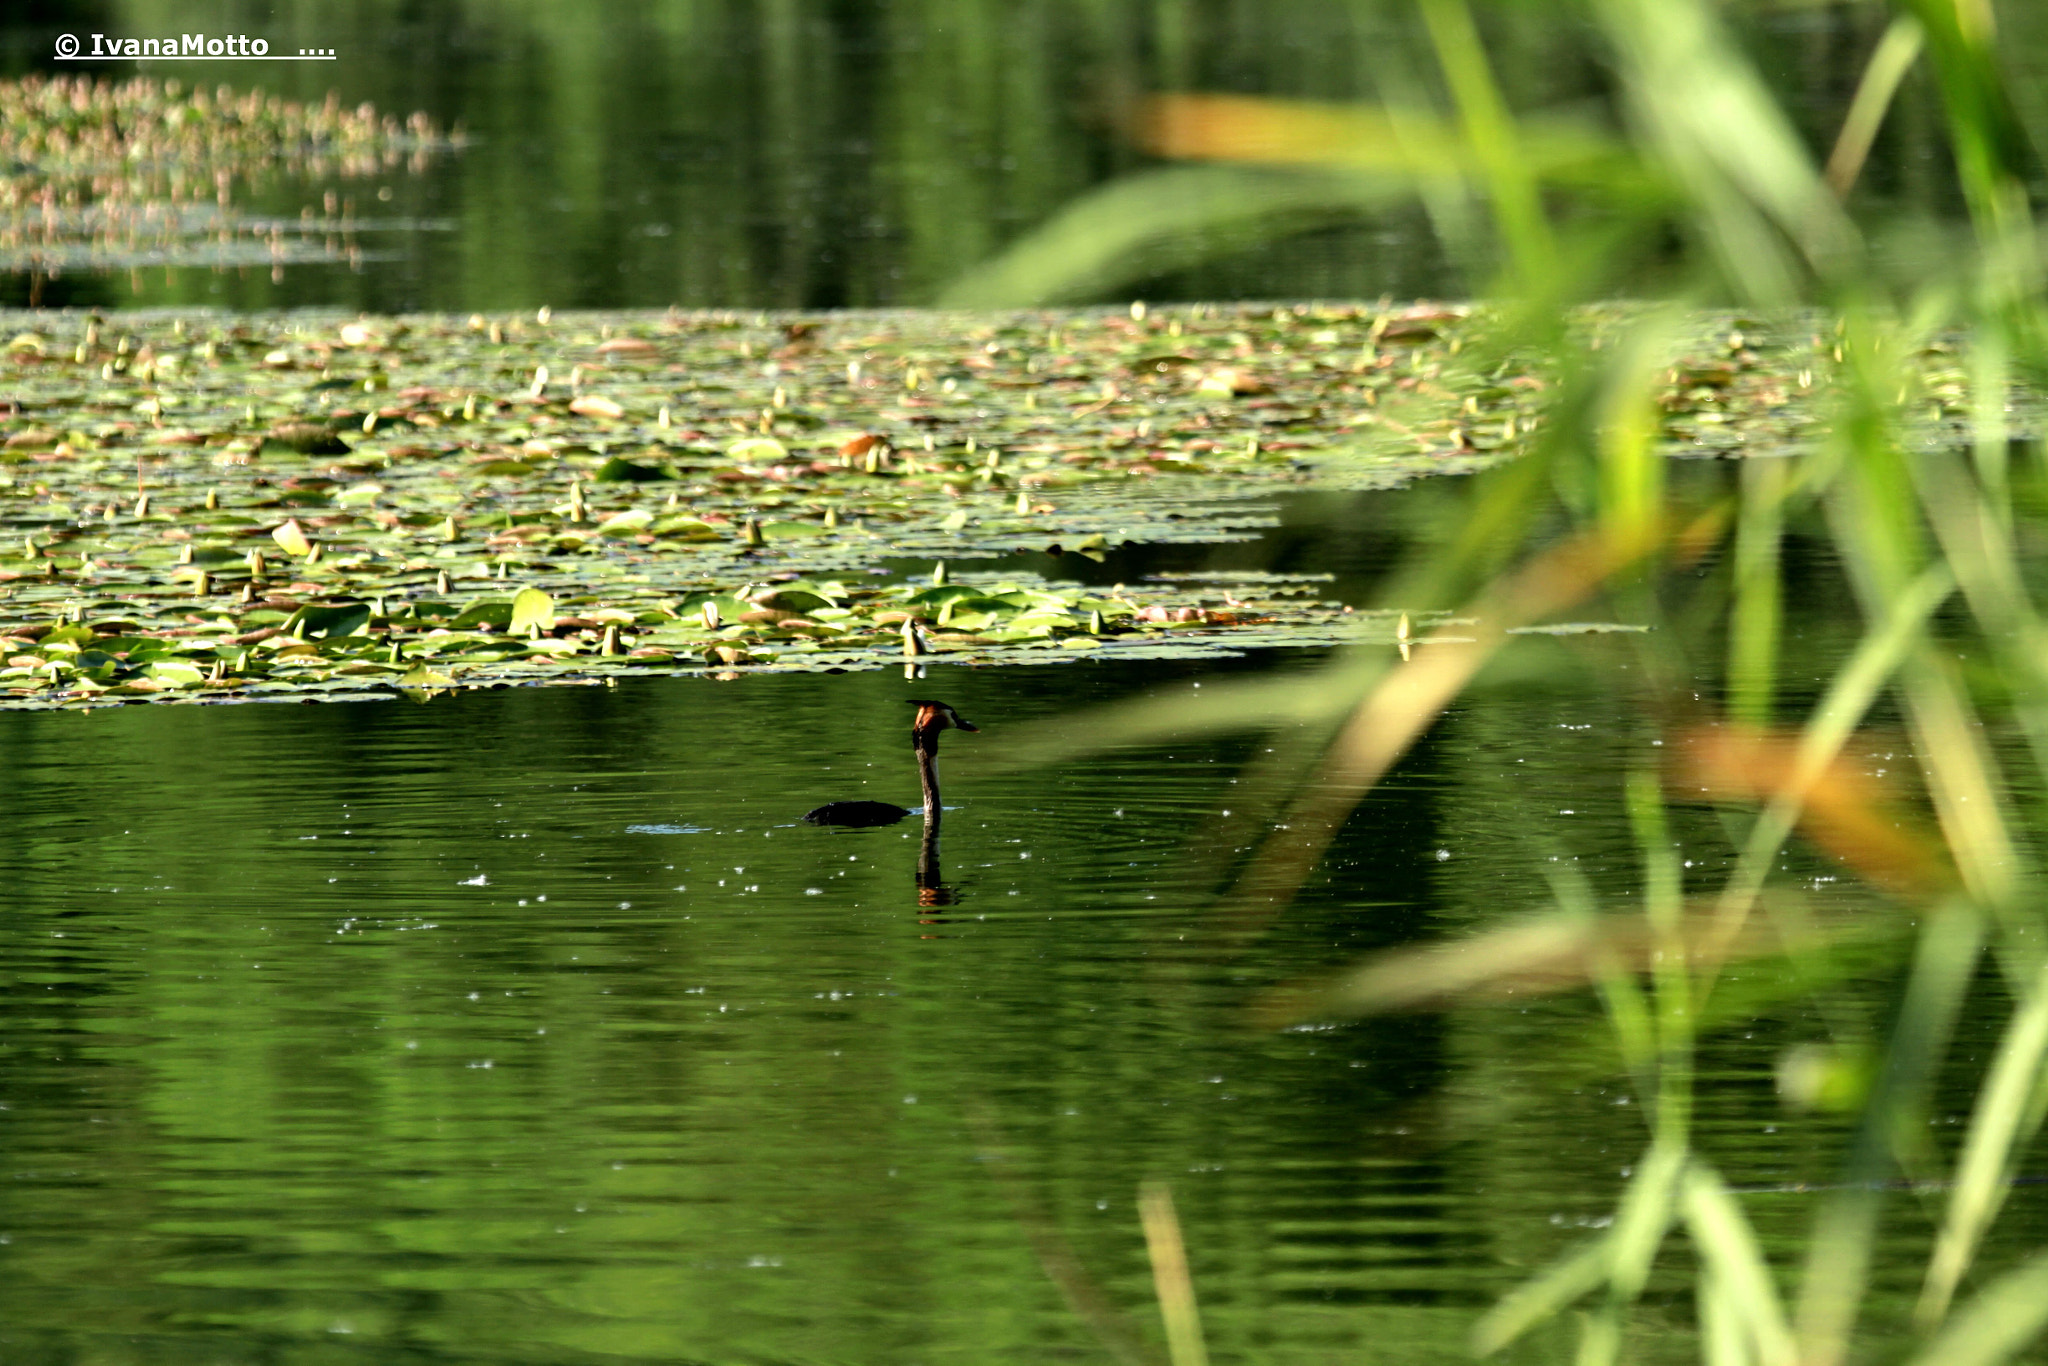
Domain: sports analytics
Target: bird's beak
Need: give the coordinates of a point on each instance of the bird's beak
(958, 724)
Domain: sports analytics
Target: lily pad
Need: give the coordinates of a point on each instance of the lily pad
(492, 613)
(328, 622)
(619, 470)
(532, 610)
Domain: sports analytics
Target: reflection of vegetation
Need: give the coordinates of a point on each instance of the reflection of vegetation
(828, 154)
(1916, 523)
(75, 135)
(99, 174)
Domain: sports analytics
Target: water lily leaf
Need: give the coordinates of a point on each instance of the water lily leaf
(292, 539)
(830, 590)
(596, 405)
(683, 527)
(178, 675)
(329, 622)
(619, 470)
(726, 606)
(791, 599)
(1043, 618)
(214, 553)
(1031, 598)
(627, 523)
(304, 438)
(420, 676)
(531, 610)
(357, 495)
(495, 613)
(1579, 628)
(944, 593)
(757, 450)
(784, 530)
(139, 649)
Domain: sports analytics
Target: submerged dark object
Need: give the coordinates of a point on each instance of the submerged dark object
(932, 717)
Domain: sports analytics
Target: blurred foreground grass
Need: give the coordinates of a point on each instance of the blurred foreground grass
(1702, 174)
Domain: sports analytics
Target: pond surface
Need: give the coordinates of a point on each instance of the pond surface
(532, 1025)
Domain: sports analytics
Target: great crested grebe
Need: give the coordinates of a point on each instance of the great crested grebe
(932, 717)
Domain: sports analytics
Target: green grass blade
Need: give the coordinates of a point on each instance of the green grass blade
(1755, 619)
(1845, 1232)
(1670, 973)
(1628, 1008)
(1988, 141)
(1621, 1259)
(1896, 52)
(1175, 1287)
(1997, 1323)
(2004, 1123)
(1874, 515)
(1543, 1296)
(1724, 1337)
(1525, 231)
(1629, 425)
(1728, 1245)
(1163, 220)
(1977, 543)
(1762, 209)
(1849, 697)
(1990, 399)
(1223, 707)
(1963, 777)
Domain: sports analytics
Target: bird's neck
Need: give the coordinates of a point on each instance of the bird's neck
(928, 775)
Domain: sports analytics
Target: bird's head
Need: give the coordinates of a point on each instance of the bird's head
(933, 717)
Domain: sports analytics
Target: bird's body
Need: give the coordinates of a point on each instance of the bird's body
(932, 717)
(857, 813)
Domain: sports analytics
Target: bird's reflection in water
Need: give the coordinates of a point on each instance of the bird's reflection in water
(932, 717)
(932, 889)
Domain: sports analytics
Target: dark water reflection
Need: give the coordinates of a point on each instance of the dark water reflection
(835, 153)
(532, 1025)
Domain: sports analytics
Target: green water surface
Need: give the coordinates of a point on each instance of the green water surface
(532, 1025)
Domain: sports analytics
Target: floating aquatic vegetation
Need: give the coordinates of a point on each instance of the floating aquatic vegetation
(66, 642)
(209, 506)
(98, 175)
(206, 504)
